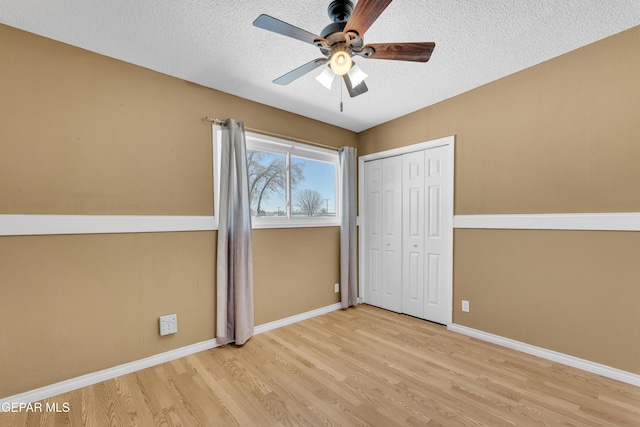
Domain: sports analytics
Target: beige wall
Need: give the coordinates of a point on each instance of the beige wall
(575, 292)
(563, 136)
(81, 133)
(72, 305)
(84, 134)
(285, 286)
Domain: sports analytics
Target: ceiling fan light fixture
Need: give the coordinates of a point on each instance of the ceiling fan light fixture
(340, 41)
(356, 75)
(340, 62)
(326, 78)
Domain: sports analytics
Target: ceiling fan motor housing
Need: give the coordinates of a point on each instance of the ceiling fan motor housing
(340, 10)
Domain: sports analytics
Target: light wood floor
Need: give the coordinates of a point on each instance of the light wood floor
(359, 367)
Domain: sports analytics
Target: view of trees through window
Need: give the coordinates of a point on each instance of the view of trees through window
(312, 184)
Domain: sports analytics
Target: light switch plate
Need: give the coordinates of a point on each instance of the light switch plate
(465, 306)
(168, 324)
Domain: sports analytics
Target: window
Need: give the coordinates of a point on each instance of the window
(291, 184)
(313, 192)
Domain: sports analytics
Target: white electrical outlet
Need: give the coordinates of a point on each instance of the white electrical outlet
(336, 287)
(168, 324)
(465, 306)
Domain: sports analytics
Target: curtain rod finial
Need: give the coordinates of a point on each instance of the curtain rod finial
(214, 121)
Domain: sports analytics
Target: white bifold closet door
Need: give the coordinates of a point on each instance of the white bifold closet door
(406, 246)
(384, 212)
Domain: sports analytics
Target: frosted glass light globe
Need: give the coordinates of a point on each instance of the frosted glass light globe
(340, 63)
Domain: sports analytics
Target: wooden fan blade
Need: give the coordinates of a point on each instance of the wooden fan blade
(419, 52)
(354, 91)
(270, 23)
(300, 71)
(365, 14)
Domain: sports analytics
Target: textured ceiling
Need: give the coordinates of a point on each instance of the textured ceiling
(213, 43)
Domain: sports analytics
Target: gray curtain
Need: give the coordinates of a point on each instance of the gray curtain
(348, 257)
(234, 284)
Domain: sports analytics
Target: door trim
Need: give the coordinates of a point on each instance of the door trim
(448, 141)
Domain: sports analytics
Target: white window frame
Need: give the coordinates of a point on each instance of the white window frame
(276, 145)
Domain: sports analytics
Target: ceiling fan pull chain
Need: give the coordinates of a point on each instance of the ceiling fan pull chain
(341, 97)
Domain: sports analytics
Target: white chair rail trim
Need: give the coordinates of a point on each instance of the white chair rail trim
(623, 221)
(26, 225)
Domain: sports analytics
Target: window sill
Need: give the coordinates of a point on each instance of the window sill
(295, 223)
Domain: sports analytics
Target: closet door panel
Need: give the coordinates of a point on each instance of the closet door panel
(373, 236)
(437, 302)
(392, 233)
(413, 224)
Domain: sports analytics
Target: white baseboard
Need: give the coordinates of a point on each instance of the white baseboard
(127, 368)
(106, 374)
(576, 362)
(297, 318)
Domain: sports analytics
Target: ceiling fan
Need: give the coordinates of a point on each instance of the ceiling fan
(343, 39)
